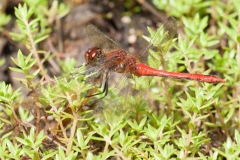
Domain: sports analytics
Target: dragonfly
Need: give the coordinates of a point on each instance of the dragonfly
(107, 56)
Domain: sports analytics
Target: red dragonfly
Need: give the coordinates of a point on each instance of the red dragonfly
(106, 56)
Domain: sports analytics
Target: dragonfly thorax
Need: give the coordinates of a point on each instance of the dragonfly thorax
(93, 55)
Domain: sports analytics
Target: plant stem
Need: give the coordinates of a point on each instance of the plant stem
(166, 87)
(189, 138)
(116, 149)
(34, 51)
(73, 130)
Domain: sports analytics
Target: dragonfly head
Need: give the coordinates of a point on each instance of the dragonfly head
(92, 55)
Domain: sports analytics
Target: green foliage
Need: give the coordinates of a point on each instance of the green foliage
(4, 19)
(231, 148)
(31, 143)
(24, 63)
(2, 61)
(7, 99)
(183, 8)
(29, 34)
(172, 119)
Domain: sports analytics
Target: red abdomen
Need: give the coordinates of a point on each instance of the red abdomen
(144, 70)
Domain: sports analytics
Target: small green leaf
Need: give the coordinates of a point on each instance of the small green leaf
(41, 39)
(21, 61)
(238, 39)
(22, 141)
(6, 135)
(16, 69)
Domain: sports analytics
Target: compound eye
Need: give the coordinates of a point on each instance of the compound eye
(92, 55)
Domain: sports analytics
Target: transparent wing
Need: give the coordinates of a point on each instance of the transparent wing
(100, 40)
(160, 39)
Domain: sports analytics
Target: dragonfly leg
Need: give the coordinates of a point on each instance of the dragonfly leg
(104, 83)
